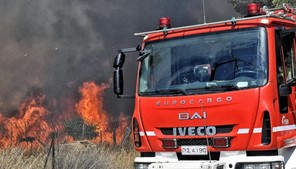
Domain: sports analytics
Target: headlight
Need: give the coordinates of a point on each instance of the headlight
(141, 165)
(260, 165)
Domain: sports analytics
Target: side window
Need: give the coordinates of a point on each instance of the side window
(283, 100)
(288, 52)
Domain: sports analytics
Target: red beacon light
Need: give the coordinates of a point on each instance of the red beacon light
(253, 9)
(164, 23)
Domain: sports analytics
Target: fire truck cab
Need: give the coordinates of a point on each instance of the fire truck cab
(218, 95)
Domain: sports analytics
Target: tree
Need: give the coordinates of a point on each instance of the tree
(241, 5)
(78, 129)
(279, 3)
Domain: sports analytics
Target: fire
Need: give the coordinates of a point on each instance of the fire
(90, 106)
(122, 127)
(91, 110)
(30, 125)
(34, 124)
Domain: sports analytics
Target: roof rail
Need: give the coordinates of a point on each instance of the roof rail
(284, 12)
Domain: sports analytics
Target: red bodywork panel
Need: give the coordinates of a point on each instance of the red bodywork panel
(241, 110)
(224, 109)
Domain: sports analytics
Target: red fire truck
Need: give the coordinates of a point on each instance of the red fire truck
(217, 95)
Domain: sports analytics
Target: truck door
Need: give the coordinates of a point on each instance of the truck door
(285, 51)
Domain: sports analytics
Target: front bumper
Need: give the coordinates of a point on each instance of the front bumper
(183, 165)
(227, 160)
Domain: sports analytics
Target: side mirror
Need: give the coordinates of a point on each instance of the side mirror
(119, 60)
(286, 89)
(118, 73)
(118, 81)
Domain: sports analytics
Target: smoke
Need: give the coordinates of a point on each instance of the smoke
(56, 45)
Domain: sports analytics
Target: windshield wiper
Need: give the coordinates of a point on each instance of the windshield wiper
(191, 91)
(226, 87)
(150, 93)
(172, 91)
(164, 92)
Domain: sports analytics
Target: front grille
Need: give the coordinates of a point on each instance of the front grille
(197, 142)
(190, 142)
(219, 130)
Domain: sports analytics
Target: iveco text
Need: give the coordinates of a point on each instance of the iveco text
(193, 131)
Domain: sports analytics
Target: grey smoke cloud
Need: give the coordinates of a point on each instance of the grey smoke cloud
(55, 45)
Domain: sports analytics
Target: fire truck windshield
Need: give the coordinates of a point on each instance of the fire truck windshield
(207, 63)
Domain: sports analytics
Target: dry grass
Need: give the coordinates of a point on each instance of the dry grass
(74, 156)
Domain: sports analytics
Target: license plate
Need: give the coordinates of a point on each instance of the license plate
(194, 150)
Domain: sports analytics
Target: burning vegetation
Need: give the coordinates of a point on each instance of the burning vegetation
(56, 46)
(35, 125)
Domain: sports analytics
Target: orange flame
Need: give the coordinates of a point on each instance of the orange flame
(34, 123)
(91, 110)
(29, 126)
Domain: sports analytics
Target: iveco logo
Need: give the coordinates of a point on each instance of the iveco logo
(188, 116)
(193, 131)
